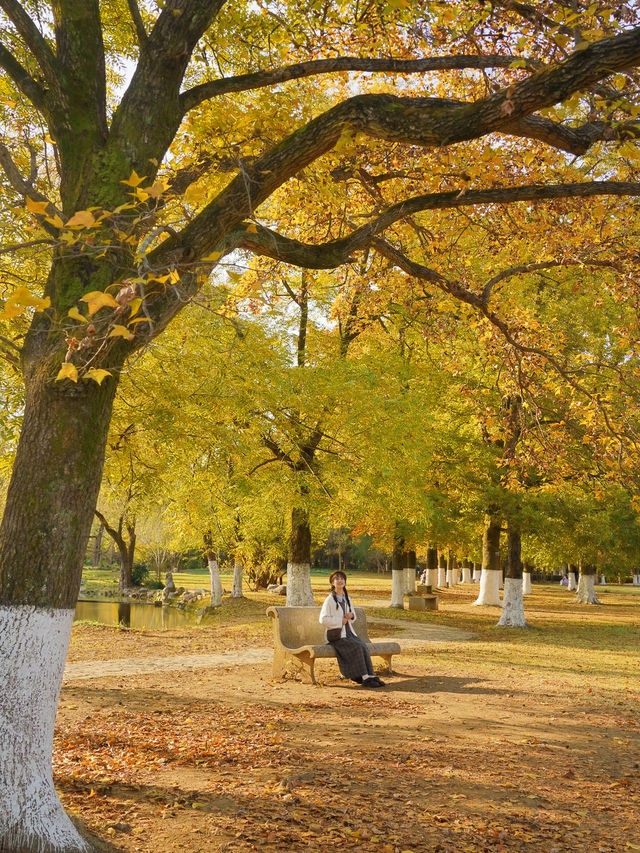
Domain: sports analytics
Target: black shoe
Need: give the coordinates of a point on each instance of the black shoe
(371, 682)
(380, 681)
(358, 679)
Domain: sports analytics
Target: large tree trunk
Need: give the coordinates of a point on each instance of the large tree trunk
(410, 573)
(299, 592)
(466, 570)
(491, 572)
(572, 585)
(586, 593)
(238, 570)
(43, 541)
(513, 603)
(214, 571)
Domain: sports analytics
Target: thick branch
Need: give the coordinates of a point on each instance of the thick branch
(261, 79)
(34, 40)
(23, 80)
(336, 252)
(138, 23)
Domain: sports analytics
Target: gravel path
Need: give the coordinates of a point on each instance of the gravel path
(414, 636)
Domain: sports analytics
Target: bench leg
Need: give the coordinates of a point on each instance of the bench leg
(307, 668)
(387, 659)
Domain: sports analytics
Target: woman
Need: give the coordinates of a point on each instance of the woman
(338, 615)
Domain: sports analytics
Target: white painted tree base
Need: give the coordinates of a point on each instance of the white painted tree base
(512, 605)
(586, 593)
(33, 648)
(477, 574)
(397, 588)
(216, 583)
(636, 580)
(447, 578)
(238, 569)
(409, 581)
(572, 585)
(466, 574)
(489, 594)
(299, 592)
(526, 583)
(432, 577)
(442, 577)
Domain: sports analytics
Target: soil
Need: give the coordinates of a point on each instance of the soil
(457, 753)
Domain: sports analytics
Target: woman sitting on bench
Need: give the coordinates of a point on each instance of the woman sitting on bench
(338, 615)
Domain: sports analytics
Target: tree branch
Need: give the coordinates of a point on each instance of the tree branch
(138, 23)
(25, 188)
(261, 79)
(34, 40)
(23, 80)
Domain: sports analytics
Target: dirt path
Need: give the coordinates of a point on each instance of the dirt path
(414, 635)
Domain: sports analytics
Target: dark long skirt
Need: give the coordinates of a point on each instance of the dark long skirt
(354, 659)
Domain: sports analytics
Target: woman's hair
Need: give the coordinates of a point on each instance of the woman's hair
(334, 574)
(333, 592)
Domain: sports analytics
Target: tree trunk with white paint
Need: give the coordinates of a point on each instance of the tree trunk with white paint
(491, 575)
(477, 571)
(410, 573)
(513, 602)
(636, 578)
(432, 567)
(442, 570)
(586, 593)
(572, 585)
(215, 582)
(526, 583)
(238, 570)
(299, 591)
(466, 571)
(43, 538)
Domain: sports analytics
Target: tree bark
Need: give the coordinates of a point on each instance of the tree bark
(410, 572)
(299, 591)
(442, 570)
(43, 540)
(214, 571)
(126, 550)
(397, 570)
(432, 566)
(491, 572)
(513, 603)
(238, 570)
(571, 575)
(466, 570)
(586, 593)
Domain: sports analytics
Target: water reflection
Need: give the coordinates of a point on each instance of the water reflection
(130, 614)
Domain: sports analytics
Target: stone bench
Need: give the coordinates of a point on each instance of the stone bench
(299, 638)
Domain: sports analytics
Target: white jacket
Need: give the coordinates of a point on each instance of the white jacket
(331, 616)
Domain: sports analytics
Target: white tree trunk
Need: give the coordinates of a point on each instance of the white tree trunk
(455, 576)
(447, 578)
(489, 587)
(238, 568)
(33, 648)
(299, 592)
(512, 605)
(572, 585)
(397, 588)
(409, 581)
(636, 579)
(526, 583)
(466, 574)
(586, 593)
(216, 584)
(603, 580)
(477, 573)
(432, 578)
(442, 576)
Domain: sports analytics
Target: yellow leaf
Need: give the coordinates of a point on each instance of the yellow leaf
(11, 311)
(22, 298)
(252, 228)
(81, 219)
(98, 299)
(134, 306)
(38, 207)
(97, 374)
(68, 371)
(55, 220)
(120, 332)
(76, 315)
(141, 194)
(214, 256)
(139, 320)
(174, 277)
(134, 179)
(157, 189)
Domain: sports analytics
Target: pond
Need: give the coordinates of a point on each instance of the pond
(130, 614)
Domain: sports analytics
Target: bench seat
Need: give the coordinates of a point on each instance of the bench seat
(299, 639)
